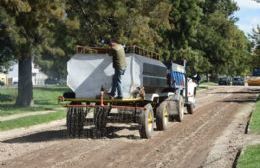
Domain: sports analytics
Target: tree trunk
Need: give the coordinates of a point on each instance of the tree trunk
(25, 94)
(207, 76)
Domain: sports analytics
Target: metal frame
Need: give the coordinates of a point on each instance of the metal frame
(107, 106)
(131, 104)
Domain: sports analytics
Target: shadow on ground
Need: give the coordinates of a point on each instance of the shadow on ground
(247, 99)
(248, 96)
(110, 132)
(248, 91)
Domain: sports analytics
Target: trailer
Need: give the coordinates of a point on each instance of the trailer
(154, 93)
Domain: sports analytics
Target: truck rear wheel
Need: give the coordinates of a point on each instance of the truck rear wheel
(162, 116)
(146, 122)
(180, 108)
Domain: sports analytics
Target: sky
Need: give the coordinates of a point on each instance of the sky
(249, 15)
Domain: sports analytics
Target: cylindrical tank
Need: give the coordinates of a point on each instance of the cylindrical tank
(87, 73)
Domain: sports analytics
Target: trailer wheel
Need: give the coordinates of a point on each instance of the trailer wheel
(190, 108)
(180, 107)
(146, 122)
(162, 116)
(68, 117)
(75, 121)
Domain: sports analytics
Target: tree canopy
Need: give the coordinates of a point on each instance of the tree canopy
(256, 47)
(201, 31)
(30, 32)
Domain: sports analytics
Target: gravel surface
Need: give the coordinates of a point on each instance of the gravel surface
(211, 137)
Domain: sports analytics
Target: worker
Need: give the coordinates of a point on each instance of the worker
(197, 78)
(119, 64)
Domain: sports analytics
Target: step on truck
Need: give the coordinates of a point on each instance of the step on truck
(153, 94)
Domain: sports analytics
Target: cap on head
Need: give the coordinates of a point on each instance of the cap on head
(112, 41)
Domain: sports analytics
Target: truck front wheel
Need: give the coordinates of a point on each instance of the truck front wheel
(190, 108)
(180, 108)
(162, 116)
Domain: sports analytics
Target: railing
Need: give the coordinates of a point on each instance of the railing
(143, 52)
(128, 49)
(86, 49)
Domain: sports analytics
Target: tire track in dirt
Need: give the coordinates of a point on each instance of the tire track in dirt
(184, 144)
(168, 148)
(141, 156)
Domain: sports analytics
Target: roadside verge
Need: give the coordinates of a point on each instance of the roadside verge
(31, 120)
(250, 155)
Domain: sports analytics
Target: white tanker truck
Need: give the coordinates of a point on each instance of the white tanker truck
(153, 93)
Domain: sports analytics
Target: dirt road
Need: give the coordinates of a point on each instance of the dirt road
(211, 137)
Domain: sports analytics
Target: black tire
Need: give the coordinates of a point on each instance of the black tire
(75, 121)
(81, 121)
(68, 117)
(69, 122)
(146, 122)
(172, 108)
(162, 116)
(190, 108)
(100, 119)
(180, 107)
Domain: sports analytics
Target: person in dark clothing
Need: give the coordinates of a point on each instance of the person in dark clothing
(119, 64)
(197, 78)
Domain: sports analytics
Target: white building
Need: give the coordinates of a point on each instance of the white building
(3, 78)
(38, 77)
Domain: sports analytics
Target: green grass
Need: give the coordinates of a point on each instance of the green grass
(208, 84)
(205, 85)
(45, 98)
(255, 120)
(31, 120)
(250, 157)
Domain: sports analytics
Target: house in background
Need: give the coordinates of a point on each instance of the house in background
(38, 77)
(3, 78)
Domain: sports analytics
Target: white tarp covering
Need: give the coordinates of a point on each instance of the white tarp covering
(87, 73)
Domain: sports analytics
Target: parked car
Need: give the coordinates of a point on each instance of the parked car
(238, 81)
(224, 81)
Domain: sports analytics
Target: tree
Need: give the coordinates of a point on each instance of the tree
(204, 33)
(225, 46)
(6, 54)
(185, 18)
(30, 34)
(255, 37)
(53, 63)
(132, 22)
